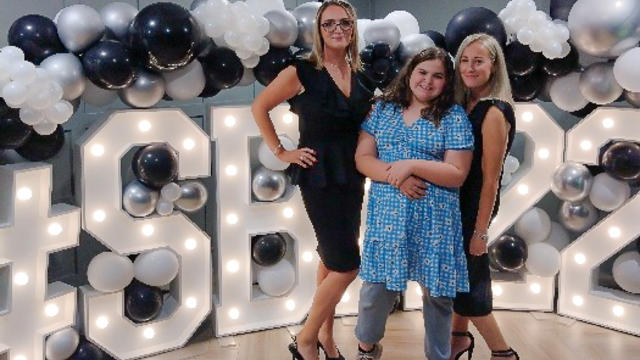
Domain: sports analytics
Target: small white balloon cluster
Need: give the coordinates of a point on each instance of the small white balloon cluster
(32, 90)
(535, 28)
(510, 166)
(236, 26)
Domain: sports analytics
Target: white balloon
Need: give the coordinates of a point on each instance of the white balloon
(110, 272)
(626, 70)
(565, 94)
(406, 23)
(626, 271)
(511, 164)
(15, 94)
(543, 260)
(156, 267)
(164, 207)
(506, 179)
(269, 160)
(98, 96)
(23, 72)
(45, 128)
(607, 193)
(61, 344)
(250, 63)
(185, 83)
(248, 78)
(533, 226)
(12, 54)
(31, 116)
(525, 35)
(558, 237)
(362, 26)
(261, 7)
(60, 112)
(170, 192)
(276, 280)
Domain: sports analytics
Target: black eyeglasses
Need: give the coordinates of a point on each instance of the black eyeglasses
(331, 25)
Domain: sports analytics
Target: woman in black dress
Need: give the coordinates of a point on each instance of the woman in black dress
(482, 87)
(331, 102)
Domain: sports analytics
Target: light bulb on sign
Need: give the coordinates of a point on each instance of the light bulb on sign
(188, 144)
(97, 150)
(190, 244)
(54, 229)
(287, 118)
(614, 232)
(497, 290)
(607, 123)
(232, 219)
(144, 126)
(148, 230)
(191, 303)
(287, 212)
(290, 305)
(543, 153)
(580, 258)
(102, 322)
(51, 310)
(149, 333)
(233, 266)
(586, 145)
(99, 215)
(20, 357)
(231, 170)
(21, 278)
(230, 121)
(535, 288)
(527, 116)
(578, 300)
(523, 189)
(234, 313)
(618, 310)
(419, 290)
(307, 256)
(24, 194)
(345, 297)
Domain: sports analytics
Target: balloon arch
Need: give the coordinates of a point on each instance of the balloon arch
(164, 51)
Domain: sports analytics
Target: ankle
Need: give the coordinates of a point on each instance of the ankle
(366, 347)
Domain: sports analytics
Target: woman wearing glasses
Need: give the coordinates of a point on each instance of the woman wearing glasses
(331, 102)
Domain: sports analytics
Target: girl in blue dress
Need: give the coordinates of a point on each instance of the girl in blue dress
(414, 137)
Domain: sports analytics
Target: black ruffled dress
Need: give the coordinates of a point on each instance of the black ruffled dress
(332, 189)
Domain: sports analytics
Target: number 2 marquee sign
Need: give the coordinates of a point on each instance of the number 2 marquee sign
(239, 308)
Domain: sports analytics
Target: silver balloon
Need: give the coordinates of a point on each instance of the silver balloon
(305, 14)
(268, 185)
(79, 26)
(193, 196)
(571, 181)
(578, 216)
(248, 78)
(196, 3)
(382, 31)
(411, 45)
(117, 16)
(138, 200)
(632, 98)
(283, 28)
(602, 29)
(186, 83)
(145, 91)
(66, 70)
(598, 85)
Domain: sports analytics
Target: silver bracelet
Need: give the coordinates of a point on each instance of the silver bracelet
(278, 149)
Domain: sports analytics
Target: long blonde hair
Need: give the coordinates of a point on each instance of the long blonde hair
(500, 87)
(317, 52)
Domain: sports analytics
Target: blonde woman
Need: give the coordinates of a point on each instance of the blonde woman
(326, 92)
(482, 88)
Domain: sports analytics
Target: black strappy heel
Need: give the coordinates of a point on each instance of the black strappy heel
(469, 349)
(326, 356)
(293, 349)
(506, 353)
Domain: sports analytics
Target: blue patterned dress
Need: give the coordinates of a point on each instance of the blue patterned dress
(419, 239)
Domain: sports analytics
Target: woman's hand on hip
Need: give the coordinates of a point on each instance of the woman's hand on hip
(304, 157)
(398, 172)
(413, 187)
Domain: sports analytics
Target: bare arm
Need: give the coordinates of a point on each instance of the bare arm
(285, 86)
(495, 130)
(366, 158)
(451, 172)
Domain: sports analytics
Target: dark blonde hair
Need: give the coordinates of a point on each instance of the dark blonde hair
(399, 91)
(317, 52)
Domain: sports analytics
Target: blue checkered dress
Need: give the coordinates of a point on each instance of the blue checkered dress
(420, 239)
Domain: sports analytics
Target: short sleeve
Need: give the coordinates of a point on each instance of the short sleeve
(304, 70)
(458, 130)
(370, 123)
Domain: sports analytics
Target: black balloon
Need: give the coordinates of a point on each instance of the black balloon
(366, 54)
(437, 38)
(585, 110)
(88, 351)
(562, 66)
(268, 249)
(559, 9)
(37, 36)
(509, 253)
(142, 302)
(271, 64)
(209, 90)
(622, 160)
(393, 72)
(520, 59)
(166, 34)
(109, 65)
(222, 68)
(13, 132)
(381, 65)
(205, 46)
(155, 165)
(527, 87)
(42, 147)
(470, 21)
(381, 50)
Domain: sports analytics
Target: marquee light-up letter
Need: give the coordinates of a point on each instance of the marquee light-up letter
(100, 151)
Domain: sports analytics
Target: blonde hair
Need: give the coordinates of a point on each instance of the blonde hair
(317, 52)
(500, 87)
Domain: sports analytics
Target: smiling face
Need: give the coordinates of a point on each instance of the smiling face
(476, 66)
(336, 27)
(427, 81)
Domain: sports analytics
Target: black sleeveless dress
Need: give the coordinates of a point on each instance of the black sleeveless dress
(479, 300)
(332, 189)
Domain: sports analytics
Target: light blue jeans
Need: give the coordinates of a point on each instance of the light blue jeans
(376, 303)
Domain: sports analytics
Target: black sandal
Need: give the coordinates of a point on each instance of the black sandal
(326, 356)
(469, 348)
(506, 353)
(293, 349)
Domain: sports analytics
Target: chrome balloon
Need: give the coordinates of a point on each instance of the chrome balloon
(193, 196)
(571, 181)
(598, 85)
(283, 28)
(145, 90)
(305, 14)
(578, 216)
(138, 200)
(268, 185)
(66, 70)
(79, 26)
(117, 16)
